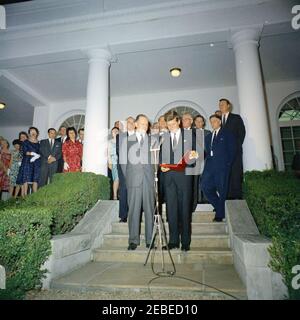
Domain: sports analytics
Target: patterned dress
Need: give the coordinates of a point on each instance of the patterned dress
(114, 159)
(29, 171)
(72, 153)
(5, 161)
(15, 167)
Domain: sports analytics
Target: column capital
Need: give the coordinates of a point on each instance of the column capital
(95, 54)
(249, 35)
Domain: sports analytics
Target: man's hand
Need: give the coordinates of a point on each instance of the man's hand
(164, 169)
(51, 159)
(193, 155)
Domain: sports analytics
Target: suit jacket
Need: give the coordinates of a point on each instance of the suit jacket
(136, 161)
(187, 142)
(46, 151)
(224, 151)
(235, 124)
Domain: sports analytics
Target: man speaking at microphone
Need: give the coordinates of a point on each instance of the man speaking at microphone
(178, 184)
(139, 174)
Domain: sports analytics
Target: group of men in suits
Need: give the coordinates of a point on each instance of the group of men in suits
(221, 178)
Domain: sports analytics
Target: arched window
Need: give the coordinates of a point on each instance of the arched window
(76, 121)
(181, 107)
(289, 123)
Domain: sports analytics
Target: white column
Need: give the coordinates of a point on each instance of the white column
(41, 120)
(256, 147)
(96, 117)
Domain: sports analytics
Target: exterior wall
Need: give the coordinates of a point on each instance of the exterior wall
(11, 132)
(151, 104)
(276, 92)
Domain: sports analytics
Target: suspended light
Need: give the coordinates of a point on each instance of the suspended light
(2, 105)
(175, 72)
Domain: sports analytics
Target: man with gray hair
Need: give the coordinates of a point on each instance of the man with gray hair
(139, 174)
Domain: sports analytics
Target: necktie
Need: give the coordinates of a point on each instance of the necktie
(174, 141)
(214, 137)
(223, 120)
(141, 140)
(51, 144)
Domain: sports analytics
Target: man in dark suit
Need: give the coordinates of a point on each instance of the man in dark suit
(125, 130)
(220, 149)
(199, 124)
(139, 175)
(234, 123)
(178, 184)
(62, 138)
(50, 151)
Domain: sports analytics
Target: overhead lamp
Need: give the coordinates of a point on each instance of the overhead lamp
(175, 72)
(2, 105)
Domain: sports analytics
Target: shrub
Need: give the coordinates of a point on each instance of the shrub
(26, 225)
(24, 247)
(274, 200)
(69, 196)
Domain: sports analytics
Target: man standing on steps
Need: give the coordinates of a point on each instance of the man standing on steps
(220, 149)
(178, 184)
(234, 123)
(139, 175)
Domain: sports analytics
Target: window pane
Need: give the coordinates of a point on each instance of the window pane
(296, 132)
(287, 145)
(288, 157)
(286, 132)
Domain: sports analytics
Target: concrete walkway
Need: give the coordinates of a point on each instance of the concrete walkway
(121, 280)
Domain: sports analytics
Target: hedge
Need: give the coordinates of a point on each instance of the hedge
(69, 196)
(274, 200)
(24, 247)
(26, 226)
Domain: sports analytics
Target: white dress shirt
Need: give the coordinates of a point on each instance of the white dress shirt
(177, 133)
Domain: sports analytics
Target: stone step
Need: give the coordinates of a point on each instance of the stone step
(132, 281)
(203, 240)
(198, 216)
(203, 255)
(197, 228)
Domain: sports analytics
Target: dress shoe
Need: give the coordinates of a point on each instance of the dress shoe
(132, 246)
(173, 246)
(185, 248)
(148, 245)
(123, 220)
(217, 219)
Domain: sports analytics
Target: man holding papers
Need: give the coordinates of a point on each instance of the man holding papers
(177, 150)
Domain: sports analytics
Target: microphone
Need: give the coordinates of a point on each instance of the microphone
(152, 148)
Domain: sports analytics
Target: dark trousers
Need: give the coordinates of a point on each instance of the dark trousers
(179, 195)
(47, 171)
(235, 190)
(123, 205)
(60, 166)
(161, 190)
(215, 187)
(195, 191)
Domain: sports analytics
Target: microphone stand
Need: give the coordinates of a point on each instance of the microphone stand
(158, 226)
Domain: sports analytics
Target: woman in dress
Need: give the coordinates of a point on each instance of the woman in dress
(113, 161)
(5, 157)
(15, 163)
(72, 152)
(30, 169)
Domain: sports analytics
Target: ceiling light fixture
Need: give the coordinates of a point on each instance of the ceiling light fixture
(2, 105)
(175, 72)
